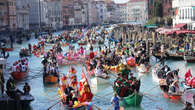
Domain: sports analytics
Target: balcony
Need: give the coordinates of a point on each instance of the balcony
(22, 10)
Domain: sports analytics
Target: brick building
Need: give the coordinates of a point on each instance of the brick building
(3, 14)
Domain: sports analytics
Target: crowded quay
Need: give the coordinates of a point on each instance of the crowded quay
(111, 67)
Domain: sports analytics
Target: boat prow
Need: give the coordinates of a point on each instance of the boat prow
(7, 103)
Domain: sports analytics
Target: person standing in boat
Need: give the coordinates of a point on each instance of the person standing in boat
(174, 88)
(2, 81)
(115, 101)
(26, 88)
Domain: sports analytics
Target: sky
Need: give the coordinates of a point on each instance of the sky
(121, 1)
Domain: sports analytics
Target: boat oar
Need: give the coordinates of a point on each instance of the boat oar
(110, 108)
(96, 107)
(152, 88)
(150, 95)
(149, 98)
(54, 104)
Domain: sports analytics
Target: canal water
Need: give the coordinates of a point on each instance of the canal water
(46, 95)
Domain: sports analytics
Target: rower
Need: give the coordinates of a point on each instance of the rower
(68, 92)
(174, 88)
(10, 86)
(115, 101)
(26, 89)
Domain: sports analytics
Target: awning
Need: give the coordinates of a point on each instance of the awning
(185, 31)
(151, 26)
(180, 25)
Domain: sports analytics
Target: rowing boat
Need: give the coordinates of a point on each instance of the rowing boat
(134, 99)
(173, 97)
(189, 59)
(19, 75)
(7, 49)
(8, 103)
(50, 79)
(99, 81)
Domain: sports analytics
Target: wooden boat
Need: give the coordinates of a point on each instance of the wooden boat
(189, 59)
(50, 79)
(170, 56)
(19, 75)
(82, 43)
(134, 99)
(8, 103)
(78, 106)
(7, 49)
(173, 97)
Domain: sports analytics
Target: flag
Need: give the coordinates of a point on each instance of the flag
(84, 88)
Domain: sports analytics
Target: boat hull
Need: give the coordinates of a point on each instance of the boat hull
(172, 97)
(19, 75)
(51, 79)
(7, 103)
(189, 59)
(7, 49)
(99, 81)
(134, 99)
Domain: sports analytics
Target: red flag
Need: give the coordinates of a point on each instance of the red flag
(86, 94)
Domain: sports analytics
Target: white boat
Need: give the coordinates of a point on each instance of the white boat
(99, 81)
(189, 58)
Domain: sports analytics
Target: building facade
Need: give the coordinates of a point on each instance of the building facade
(184, 12)
(123, 12)
(137, 11)
(12, 21)
(3, 15)
(101, 8)
(68, 12)
(113, 12)
(54, 14)
(92, 12)
(37, 13)
(22, 14)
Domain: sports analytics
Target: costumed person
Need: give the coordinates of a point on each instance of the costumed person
(26, 89)
(174, 88)
(68, 92)
(81, 50)
(115, 101)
